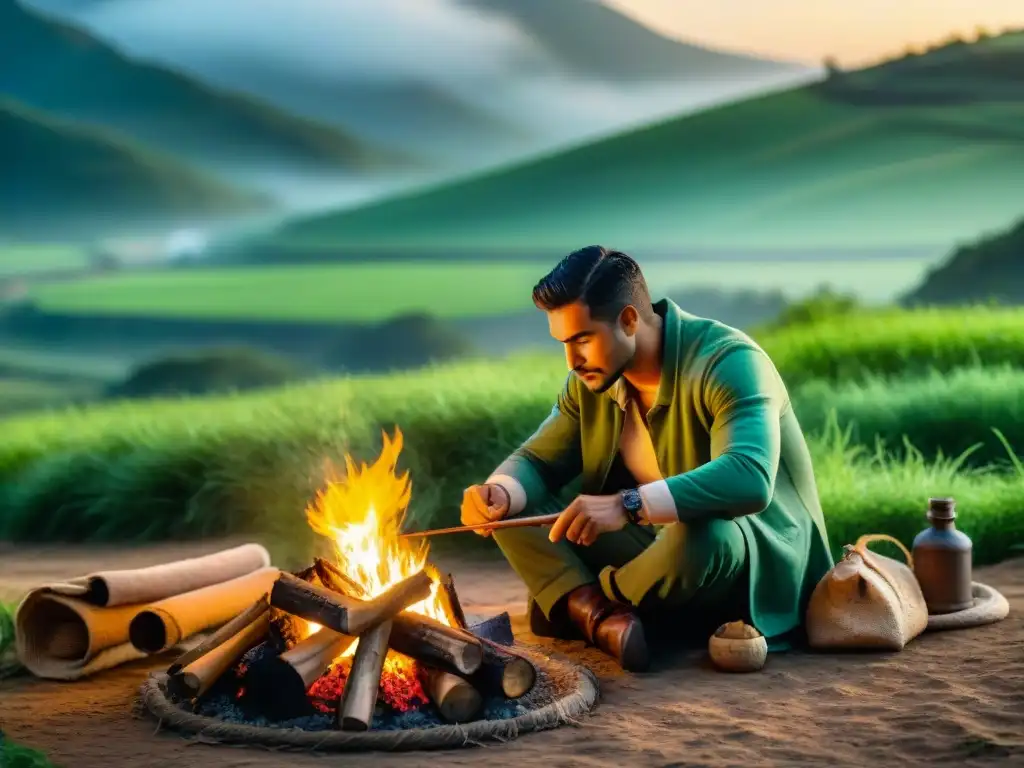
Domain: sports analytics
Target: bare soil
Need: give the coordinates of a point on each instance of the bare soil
(952, 698)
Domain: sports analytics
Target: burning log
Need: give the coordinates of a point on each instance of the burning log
(456, 699)
(432, 643)
(418, 637)
(285, 629)
(504, 670)
(277, 686)
(358, 700)
(341, 613)
(192, 680)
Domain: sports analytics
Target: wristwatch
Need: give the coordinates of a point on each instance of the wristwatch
(633, 502)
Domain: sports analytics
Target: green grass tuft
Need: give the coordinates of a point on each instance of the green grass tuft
(9, 664)
(16, 756)
(870, 491)
(6, 628)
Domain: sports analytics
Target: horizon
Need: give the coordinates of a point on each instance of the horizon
(852, 34)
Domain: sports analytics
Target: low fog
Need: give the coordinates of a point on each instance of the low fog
(460, 88)
(301, 51)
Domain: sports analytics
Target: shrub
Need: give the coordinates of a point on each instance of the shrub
(206, 371)
(406, 341)
(824, 304)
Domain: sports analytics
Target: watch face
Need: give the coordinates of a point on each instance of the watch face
(632, 500)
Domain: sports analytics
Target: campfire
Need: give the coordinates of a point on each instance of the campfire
(364, 637)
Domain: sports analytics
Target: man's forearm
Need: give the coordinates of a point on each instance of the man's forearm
(745, 400)
(728, 486)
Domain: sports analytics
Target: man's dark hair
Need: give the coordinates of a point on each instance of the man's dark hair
(606, 281)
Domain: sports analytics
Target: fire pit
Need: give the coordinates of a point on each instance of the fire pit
(366, 649)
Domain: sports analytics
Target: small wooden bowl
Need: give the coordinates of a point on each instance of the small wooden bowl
(738, 647)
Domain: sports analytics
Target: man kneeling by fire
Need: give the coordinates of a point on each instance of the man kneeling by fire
(698, 501)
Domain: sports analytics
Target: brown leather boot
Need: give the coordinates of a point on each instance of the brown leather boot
(613, 628)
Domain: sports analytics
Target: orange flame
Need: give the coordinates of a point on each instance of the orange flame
(362, 514)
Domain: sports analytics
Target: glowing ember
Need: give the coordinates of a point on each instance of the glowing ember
(362, 514)
(400, 687)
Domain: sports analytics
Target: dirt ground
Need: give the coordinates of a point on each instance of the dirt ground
(949, 698)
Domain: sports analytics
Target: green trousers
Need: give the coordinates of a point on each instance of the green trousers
(677, 571)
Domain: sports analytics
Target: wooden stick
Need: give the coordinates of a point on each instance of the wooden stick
(194, 679)
(431, 642)
(343, 614)
(329, 574)
(222, 635)
(277, 686)
(451, 599)
(494, 525)
(455, 698)
(358, 700)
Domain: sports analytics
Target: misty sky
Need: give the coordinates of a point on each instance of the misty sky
(854, 31)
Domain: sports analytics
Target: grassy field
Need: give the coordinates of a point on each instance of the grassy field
(166, 469)
(923, 151)
(30, 260)
(360, 292)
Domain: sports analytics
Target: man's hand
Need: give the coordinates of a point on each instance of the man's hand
(484, 504)
(588, 517)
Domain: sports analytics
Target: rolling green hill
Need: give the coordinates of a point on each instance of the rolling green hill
(85, 178)
(920, 151)
(991, 269)
(59, 68)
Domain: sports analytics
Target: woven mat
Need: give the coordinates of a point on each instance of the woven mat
(570, 691)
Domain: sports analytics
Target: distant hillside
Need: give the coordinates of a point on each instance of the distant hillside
(463, 83)
(591, 39)
(62, 177)
(922, 151)
(990, 269)
(64, 70)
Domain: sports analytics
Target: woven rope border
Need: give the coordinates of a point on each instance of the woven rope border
(989, 607)
(579, 696)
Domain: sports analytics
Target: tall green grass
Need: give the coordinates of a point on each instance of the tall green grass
(175, 469)
(973, 410)
(896, 343)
